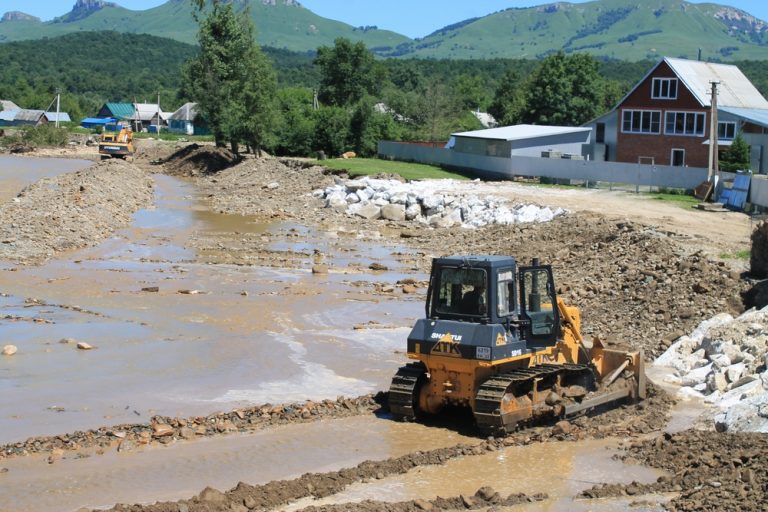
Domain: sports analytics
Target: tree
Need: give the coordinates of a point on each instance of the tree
(737, 157)
(296, 122)
(508, 103)
(348, 72)
(231, 79)
(564, 90)
(331, 130)
(368, 127)
(470, 92)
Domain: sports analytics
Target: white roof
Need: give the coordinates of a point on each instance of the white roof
(146, 111)
(9, 105)
(735, 89)
(521, 131)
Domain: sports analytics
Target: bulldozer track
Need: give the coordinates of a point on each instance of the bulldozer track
(491, 393)
(402, 390)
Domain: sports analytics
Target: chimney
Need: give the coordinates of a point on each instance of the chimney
(699, 54)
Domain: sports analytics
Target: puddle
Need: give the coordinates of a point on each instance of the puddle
(688, 412)
(561, 470)
(17, 172)
(181, 470)
(251, 335)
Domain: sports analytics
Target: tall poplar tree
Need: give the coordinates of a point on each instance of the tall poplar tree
(232, 81)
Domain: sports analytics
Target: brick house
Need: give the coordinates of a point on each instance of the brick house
(665, 119)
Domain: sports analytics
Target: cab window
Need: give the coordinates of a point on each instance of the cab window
(462, 291)
(506, 292)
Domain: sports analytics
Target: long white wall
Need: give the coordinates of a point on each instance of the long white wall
(611, 172)
(506, 168)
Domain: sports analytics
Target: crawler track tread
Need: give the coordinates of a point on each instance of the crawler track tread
(403, 389)
(491, 393)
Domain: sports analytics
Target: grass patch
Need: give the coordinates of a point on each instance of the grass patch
(681, 200)
(744, 254)
(408, 170)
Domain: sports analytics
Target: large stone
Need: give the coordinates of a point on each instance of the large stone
(413, 211)
(9, 350)
(735, 371)
(696, 376)
(394, 212)
(337, 201)
(85, 346)
(365, 210)
(716, 381)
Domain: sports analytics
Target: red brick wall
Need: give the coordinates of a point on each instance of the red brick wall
(631, 146)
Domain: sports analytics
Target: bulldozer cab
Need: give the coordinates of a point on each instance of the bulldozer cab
(492, 290)
(538, 305)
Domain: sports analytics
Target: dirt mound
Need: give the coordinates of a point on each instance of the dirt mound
(196, 160)
(711, 471)
(758, 260)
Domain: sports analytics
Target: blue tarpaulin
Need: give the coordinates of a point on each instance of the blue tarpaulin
(736, 197)
(90, 122)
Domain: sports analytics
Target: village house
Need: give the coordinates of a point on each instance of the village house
(187, 121)
(665, 119)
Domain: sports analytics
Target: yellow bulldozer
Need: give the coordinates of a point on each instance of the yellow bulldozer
(116, 141)
(498, 340)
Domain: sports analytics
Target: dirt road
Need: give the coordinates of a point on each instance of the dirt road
(642, 272)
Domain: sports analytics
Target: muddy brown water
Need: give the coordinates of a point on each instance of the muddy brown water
(16, 172)
(252, 335)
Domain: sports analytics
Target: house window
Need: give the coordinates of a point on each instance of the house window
(641, 121)
(685, 123)
(677, 159)
(664, 89)
(726, 130)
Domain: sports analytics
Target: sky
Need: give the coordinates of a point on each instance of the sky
(413, 18)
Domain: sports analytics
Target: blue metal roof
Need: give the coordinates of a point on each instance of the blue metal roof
(8, 115)
(89, 122)
(757, 116)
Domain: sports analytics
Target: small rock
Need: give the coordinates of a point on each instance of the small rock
(190, 292)
(377, 267)
(250, 502)
(9, 350)
(562, 427)
(423, 505)
(409, 289)
(68, 341)
(162, 430)
(576, 392)
(126, 445)
(320, 269)
(211, 495)
(85, 346)
(151, 289)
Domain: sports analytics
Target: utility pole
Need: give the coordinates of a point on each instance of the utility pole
(58, 107)
(714, 165)
(158, 112)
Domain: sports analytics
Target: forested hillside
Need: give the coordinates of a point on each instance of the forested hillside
(92, 68)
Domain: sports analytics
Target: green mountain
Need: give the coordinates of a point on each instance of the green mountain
(618, 29)
(613, 29)
(279, 24)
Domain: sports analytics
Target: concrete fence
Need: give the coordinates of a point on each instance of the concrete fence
(489, 167)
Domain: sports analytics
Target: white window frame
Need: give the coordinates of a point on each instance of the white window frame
(726, 125)
(641, 113)
(661, 86)
(685, 114)
(672, 157)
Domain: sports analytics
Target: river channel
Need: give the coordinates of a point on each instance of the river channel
(213, 337)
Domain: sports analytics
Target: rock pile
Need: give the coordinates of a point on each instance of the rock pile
(438, 204)
(725, 360)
